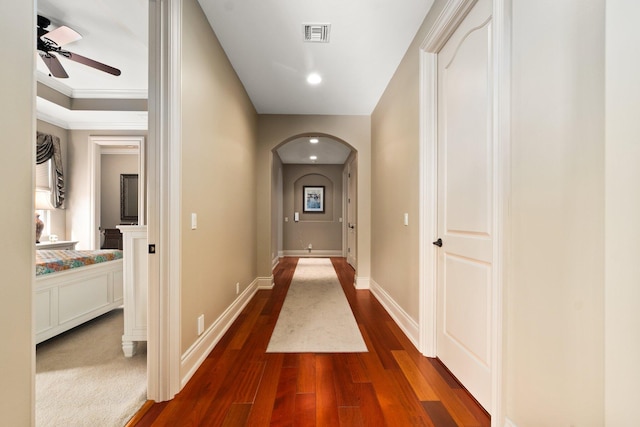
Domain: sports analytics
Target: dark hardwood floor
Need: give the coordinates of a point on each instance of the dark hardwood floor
(391, 385)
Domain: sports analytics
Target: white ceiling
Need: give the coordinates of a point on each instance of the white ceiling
(264, 42)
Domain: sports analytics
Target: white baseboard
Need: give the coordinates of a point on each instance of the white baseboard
(198, 352)
(305, 253)
(402, 319)
(363, 282)
(265, 282)
(274, 263)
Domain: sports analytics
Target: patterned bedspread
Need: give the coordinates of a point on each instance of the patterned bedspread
(50, 261)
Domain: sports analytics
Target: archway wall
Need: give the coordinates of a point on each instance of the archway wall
(276, 129)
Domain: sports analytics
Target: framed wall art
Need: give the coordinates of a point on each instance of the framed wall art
(313, 199)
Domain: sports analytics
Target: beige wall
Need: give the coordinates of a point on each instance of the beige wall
(218, 178)
(395, 154)
(78, 182)
(622, 241)
(555, 296)
(17, 85)
(57, 217)
(322, 230)
(111, 167)
(276, 129)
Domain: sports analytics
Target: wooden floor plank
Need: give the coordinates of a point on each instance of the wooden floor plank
(305, 413)
(285, 404)
(419, 384)
(326, 401)
(237, 415)
(307, 373)
(261, 411)
(392, 385)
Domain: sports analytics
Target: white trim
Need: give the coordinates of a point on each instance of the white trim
(315, 253)
(52, 120)
(502, 189)
(109, 93)
(123, 150)
(428, 228)
(173, 242)
(266, 283)
(163, 214)
(53, 83)
(274, 262)
(95, 151)
(446, 23)
(403, 320)
(200, 349)
(58, 86)
(509, 423)
(362, 282)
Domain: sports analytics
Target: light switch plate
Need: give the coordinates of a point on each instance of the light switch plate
(194, 221)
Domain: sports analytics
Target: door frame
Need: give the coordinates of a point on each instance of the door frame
(97, 147)
(164, 203)
(446, 23)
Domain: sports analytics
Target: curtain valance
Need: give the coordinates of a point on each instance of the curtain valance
(47, 147)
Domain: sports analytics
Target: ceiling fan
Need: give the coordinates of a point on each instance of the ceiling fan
(50, 45)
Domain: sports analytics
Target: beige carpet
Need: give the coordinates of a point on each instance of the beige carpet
(83, 378)
(315, 316)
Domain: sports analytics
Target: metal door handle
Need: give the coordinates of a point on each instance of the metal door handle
(438, 243)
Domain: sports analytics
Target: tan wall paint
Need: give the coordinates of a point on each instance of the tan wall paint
(395, 154)
(322, 230)
(555, 305)
(622, 241)
(112, 165)
(57, 217)
(78, 187)
(218, 178)
(276, 129)
(17, 85)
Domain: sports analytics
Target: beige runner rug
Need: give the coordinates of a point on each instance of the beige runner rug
(315, 316)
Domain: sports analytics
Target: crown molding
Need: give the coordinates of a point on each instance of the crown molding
(110, 93)
(57, 85)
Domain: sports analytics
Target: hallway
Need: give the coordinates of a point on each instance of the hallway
(391, 385)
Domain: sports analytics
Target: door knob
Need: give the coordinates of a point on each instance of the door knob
(438, 243)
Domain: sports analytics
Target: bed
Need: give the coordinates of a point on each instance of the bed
(73, 287)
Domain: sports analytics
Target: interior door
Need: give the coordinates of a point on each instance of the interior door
(465, 203)
(351, 212)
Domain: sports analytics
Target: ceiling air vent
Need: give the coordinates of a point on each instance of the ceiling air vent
(317, 33)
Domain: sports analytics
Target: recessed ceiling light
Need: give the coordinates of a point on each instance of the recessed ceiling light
(314, 79)
(314, 140)
(313, 157)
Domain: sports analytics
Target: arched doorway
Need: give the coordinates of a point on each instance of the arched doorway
(314, 198)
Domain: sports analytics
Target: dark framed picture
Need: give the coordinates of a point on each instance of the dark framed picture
(313, 199)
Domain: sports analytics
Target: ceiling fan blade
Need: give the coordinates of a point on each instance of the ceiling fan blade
(54, 65)
(62, 35)
(90, 62)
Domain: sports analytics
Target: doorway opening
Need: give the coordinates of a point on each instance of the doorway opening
(314, 198)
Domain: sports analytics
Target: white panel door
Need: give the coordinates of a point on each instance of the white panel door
(465, 203)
